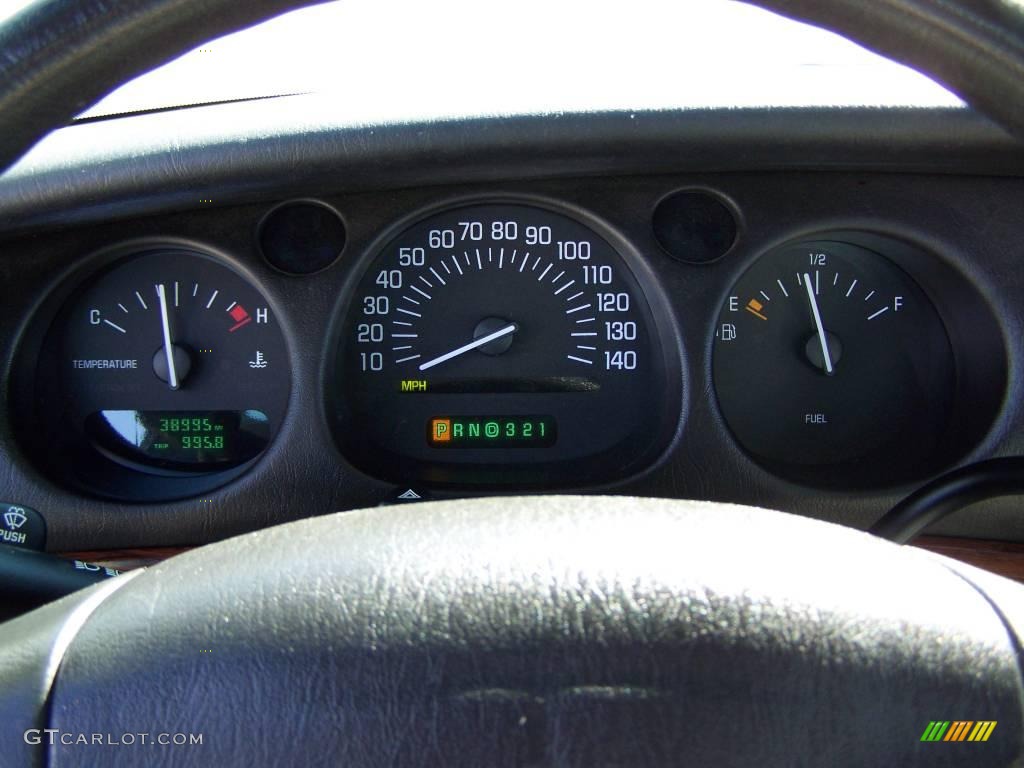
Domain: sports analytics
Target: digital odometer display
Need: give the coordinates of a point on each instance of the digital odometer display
(507, 309)
(187, 440)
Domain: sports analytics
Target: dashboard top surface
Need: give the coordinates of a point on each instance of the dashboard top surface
(308, 145)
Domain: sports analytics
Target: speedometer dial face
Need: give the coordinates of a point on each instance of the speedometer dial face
(500, 343)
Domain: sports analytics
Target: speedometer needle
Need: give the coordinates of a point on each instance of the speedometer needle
(165, 321)
(817, 324)
(510, 328)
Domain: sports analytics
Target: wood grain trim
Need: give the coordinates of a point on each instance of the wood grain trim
(126, 559)
(1005, 558)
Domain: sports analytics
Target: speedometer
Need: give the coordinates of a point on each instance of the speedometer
(503, 343)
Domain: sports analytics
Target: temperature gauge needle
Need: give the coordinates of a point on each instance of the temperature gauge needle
(818, 324)
(165, 321)
(510, 328)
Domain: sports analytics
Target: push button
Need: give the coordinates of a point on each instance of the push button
(22, 526)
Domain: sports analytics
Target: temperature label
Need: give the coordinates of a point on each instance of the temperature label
(105, 364)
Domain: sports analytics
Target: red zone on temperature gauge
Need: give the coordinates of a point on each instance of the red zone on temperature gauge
(241, 317)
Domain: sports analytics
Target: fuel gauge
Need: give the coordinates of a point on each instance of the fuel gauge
(831, 363)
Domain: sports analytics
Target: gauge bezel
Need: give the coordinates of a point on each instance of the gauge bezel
(712, 193)
(267, 216)
(977, 346)
(666, 340)
(95, 474)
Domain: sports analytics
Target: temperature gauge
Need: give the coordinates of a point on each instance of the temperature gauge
(830, 361)
(164, 376)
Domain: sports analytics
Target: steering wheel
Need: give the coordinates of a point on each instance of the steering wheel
(516, 631)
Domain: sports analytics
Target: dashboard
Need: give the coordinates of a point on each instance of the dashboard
(817, 342)
(256, 335)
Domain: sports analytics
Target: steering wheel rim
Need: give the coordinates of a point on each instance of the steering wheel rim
(618, 624)
(543, 631)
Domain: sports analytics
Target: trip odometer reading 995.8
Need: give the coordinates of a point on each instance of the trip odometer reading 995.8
(502, 343)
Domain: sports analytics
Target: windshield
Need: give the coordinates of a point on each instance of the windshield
(404, 59)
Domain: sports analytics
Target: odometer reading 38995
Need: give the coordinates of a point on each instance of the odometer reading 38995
(479, 316)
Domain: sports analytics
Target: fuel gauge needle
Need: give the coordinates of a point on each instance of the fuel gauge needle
(817, 324)
(165, 321)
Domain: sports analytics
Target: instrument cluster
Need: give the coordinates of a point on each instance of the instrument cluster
(500, 342)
